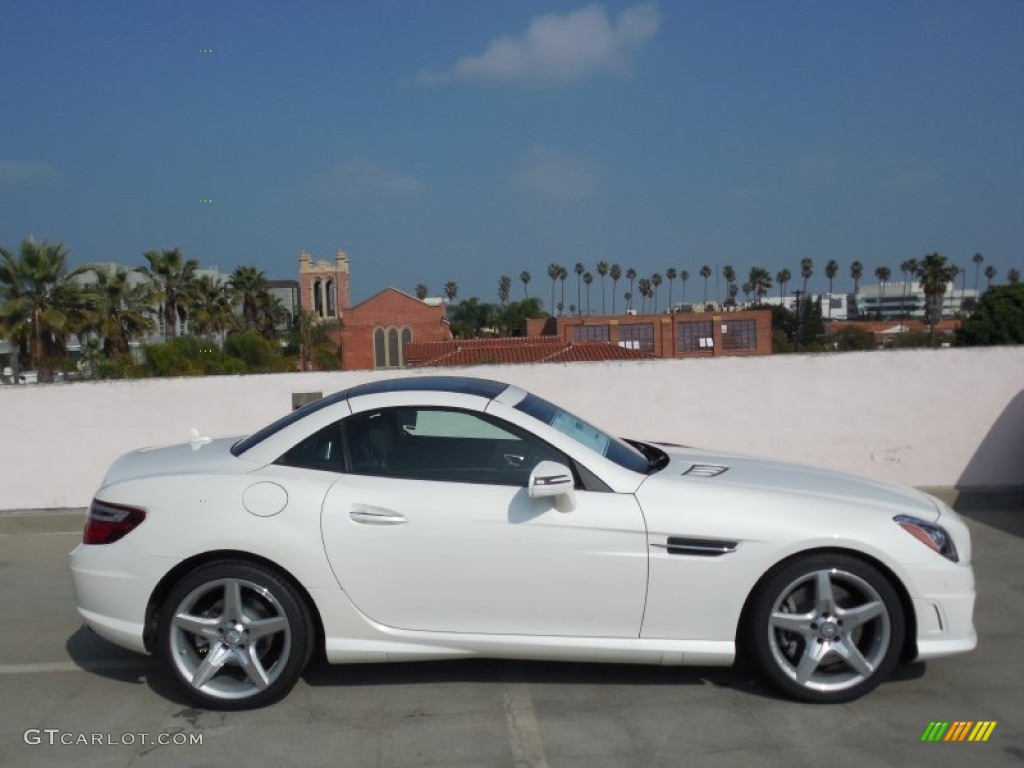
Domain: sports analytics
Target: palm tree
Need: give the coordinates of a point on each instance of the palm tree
(670, 275)
(1013, 276)
(645, 292)
(883, 274)
(782, 277)
(587, 280)
(977, 259)
(120, 312)
(655, 281)
(616, 273)
(629, 298)
(602, 270)
(271, 314)
(251, 287)
(172, 280)
(935, 276)
(631, 276)
(421, 291)
(683, 277)
(504, 289)
(831, 270)
(563, 273)
(41, 304)
(451, 290)
(524, 278)
(554, 270)
(806, 270)
(729, 274)
(705, 272)
(908, 267)
(990, 273)
(579, 269)
(213, 308)
(856, 272)
(760, 281)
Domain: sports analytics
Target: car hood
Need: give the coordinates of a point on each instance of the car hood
(206, 457)
(692, 466)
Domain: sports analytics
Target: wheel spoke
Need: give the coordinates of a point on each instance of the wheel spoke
(793, 622)
(824, 598)
(199, 625)
(851, 654)
(813, 654)
(215, 659)
(253, 667)
(233, 610)
(854, 617)
(264, 627)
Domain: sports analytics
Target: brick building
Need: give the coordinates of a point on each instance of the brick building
(374, 333)
(698, 334)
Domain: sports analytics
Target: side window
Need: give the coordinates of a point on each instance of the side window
(443, 444)
(321, 450)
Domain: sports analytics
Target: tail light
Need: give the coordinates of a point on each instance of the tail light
(106, 523)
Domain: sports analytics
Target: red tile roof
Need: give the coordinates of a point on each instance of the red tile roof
(544, 349)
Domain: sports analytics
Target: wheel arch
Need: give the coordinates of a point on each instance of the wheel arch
(182, 569)
(909, 650)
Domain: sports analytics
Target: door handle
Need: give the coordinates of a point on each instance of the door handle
(376, 517)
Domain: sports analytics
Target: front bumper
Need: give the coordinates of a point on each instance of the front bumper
(943, 597)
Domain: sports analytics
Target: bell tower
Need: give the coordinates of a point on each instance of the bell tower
(324, 286)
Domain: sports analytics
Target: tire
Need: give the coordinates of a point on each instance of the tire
(825, 628)
(234, 635)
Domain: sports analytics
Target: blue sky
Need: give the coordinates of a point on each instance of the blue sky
(466, 139)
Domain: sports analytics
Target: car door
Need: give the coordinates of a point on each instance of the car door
(432, 528)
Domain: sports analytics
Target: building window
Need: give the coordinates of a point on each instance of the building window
(389, 346)
(637, 336)
(332, 300)
(739, 334)
(694, 336)
(318, 299)
(591, 333)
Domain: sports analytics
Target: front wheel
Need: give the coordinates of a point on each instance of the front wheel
(825, 628)
(234, 635)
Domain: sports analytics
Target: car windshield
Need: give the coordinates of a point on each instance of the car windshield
(583, 433)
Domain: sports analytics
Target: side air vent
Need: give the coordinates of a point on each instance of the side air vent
(705, 470)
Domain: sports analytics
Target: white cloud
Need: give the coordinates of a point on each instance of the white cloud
(23, 172)
(359, 176)
(559, 48)
(554, 175)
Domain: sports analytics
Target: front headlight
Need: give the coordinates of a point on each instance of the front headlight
(935, 537)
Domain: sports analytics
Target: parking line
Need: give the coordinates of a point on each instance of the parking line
(523, 731)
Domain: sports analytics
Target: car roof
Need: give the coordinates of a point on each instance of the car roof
(485, 388)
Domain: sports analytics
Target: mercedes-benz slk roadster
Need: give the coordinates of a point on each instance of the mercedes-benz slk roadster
(447, 517)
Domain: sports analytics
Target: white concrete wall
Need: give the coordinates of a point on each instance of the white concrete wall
(952, 417)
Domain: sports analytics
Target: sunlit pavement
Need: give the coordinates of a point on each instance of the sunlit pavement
(60, 683)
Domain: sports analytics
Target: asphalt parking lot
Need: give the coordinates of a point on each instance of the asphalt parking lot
(62, 684)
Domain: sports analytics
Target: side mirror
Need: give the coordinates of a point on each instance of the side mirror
(551, 479)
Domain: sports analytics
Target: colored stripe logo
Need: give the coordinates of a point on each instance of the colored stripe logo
(959, 730)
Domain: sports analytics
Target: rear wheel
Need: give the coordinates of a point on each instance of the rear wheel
(234, 635)
(825, 628)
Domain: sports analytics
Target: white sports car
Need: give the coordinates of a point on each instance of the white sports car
(444, 517)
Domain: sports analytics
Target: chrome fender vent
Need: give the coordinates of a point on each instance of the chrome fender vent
(705, 470)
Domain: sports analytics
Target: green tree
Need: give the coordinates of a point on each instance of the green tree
(883, 274)
(524, 278)
(579, 269)
(806, 270)
(250, 287)
(655, 282)
(119, 312)
(908, 268)
(977, 259)
(504, 289)
(760, 282)
(683, 277)
(421, 291)
(41, 304)
(782, 277)
(213, 309)
(554, 272)
(831, 270)
(631, 276)
(990, 274)
(172, 279)
(998, 317)
(729, 275)
(587, 280)
(1013, 276)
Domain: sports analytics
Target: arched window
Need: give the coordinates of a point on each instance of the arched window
(406, 338)
(393, 360)
(332, 299)
(318, 299)
(379, 349)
